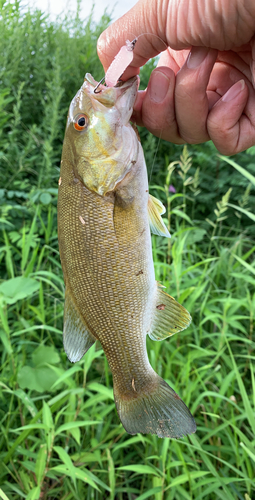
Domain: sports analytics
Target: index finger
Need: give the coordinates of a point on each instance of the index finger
(133, 24)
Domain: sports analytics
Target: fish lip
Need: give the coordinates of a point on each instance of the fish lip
(127, 84)
(110, 94)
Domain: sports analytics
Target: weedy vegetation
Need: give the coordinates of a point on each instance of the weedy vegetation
(60, 434)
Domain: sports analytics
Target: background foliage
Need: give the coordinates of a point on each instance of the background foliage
(60, 434)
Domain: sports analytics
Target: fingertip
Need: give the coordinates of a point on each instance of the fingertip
(158, 114)
(191, 100)
(228, 110)
(235, 93)
(129, 73)
(161, 81)
(227, 118)
(137, 109)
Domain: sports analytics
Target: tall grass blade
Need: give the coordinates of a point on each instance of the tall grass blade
(240, 169)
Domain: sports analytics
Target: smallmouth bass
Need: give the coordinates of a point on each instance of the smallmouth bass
(104, 217)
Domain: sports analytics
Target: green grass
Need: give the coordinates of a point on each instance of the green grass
(60, 434)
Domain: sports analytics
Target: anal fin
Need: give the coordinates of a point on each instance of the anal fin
(155, 210)
(169, 317)
(77, 338)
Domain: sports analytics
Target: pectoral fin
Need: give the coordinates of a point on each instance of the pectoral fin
(77, 338)
(155, 210)
(169, 317)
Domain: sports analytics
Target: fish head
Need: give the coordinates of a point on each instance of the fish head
(103, 144)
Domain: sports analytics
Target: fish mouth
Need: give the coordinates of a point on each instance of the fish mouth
(108, 96)
(113, 145)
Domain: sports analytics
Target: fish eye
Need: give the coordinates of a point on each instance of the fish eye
(80, 122)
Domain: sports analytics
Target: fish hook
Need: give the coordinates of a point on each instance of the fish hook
(99, 83)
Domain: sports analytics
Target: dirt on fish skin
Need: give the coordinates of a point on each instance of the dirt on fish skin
(104, 218)
(161, 307)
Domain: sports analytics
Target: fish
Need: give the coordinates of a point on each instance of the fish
(105, 219)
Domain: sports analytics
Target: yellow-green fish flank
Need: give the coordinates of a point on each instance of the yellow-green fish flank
(105, 214)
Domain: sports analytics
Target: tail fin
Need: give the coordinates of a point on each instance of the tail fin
(159, 411)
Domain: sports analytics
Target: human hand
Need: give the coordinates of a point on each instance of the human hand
(195, 96)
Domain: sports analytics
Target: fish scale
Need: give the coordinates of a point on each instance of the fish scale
(104, 217)
(112, 273)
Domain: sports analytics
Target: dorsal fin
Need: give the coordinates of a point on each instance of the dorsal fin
(155, 210)
(169, 317)
(77, 338)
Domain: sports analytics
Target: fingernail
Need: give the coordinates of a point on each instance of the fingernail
(196, 57)
(234, 91)
(158, 87)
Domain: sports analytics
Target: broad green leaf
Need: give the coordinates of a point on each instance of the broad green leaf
(3, 335)
(76, 433)
(45, 198)
(140, 469)
(41, 463)
(18, 288)
(30, 426)
(181, 214)
(196, 235)
(68, 467)
(53, 191)
(39, 379)
(84, 475)
(101, 389)
(47, 416)
(45, 355)
(87, 457)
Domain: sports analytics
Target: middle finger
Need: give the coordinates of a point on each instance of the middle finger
(191, 100)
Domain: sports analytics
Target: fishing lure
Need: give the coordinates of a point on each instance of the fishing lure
(120, 63)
